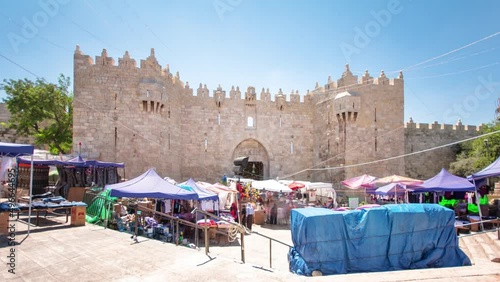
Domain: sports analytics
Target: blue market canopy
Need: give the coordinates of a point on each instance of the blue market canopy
(490, 171)
(445, 181)
(391, 189)
(14, 150)
(150, 185)
(203, 194)
(77, 161)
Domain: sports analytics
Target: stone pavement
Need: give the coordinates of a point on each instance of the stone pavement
(57, 252)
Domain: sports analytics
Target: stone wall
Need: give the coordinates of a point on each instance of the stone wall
(147, 117)
(423, 136)
(9, 135)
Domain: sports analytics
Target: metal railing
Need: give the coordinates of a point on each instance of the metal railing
(175, 221)
(495, 221)
(270, 246)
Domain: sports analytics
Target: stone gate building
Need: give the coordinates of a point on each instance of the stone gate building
(145, 116)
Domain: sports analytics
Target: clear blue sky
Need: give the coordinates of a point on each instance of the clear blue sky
(276, 44)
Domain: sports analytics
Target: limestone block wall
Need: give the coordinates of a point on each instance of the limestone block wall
(422, 136)
(359, 121)
(215, 130)
(128, 114)
(9, 135)
(143, 115)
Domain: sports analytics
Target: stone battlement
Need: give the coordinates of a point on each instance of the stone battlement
(442, 127)
(348, 81)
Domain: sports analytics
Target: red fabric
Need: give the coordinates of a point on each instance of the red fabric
(239, 187)
(234, 211)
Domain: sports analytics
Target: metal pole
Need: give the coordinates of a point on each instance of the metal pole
(478, 203)
(178, 234)
(31, 191)
(243, 246)
(206, 236)
(196, 239)
(136, 222)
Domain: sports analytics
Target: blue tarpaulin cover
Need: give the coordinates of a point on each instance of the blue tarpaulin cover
(390, 237)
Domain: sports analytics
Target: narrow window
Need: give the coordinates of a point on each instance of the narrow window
(218, 118)
(291, 147)
(250, 122)
(280, 120)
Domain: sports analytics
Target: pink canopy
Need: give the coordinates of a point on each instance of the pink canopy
(359, 181)
(393, 179)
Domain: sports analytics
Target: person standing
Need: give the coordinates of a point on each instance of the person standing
(234, 212)
(274, 214)
(250, 212)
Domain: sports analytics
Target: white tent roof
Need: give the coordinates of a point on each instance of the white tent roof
(271, 185)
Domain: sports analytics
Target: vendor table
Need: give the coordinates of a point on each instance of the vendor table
(67, 211)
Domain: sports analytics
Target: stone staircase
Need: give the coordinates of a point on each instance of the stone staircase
(481, 247)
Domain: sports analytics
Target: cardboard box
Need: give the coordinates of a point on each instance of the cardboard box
(78, 216)
(259, 217)
(76, 194)
(4, 223)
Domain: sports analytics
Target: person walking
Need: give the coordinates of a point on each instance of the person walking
(250, 212)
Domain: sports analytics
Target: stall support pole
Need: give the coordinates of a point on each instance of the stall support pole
(196, 239)
(136, 223)
(206, 236)
(243, 246)
(107, 216)
(178, 234)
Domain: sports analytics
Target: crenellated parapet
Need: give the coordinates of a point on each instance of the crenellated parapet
(150, 65)
(150, 72)
(442, 128)
(202, 91)
(350, 81)
(151, 62)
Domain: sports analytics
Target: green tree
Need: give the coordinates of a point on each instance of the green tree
(477, 154)
(42, 110)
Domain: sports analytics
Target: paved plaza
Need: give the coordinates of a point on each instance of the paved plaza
(56, 251)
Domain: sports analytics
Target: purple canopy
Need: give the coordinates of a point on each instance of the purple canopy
(150, 185)
(492, 170)
(445, 181)
(77, 161)
(203, 194)
(392, 189)
(14, 150)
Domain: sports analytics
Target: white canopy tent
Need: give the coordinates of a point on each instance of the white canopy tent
(271, 185)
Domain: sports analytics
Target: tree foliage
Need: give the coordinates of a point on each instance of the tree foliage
(42, 110)
(478, 153)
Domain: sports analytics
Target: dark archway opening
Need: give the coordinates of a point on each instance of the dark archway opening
(254, 170)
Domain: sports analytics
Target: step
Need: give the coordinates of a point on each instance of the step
(477, 253)
(463, 247)
(495, 237)
(490, 247)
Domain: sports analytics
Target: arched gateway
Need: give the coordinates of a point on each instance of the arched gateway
(258, 161)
